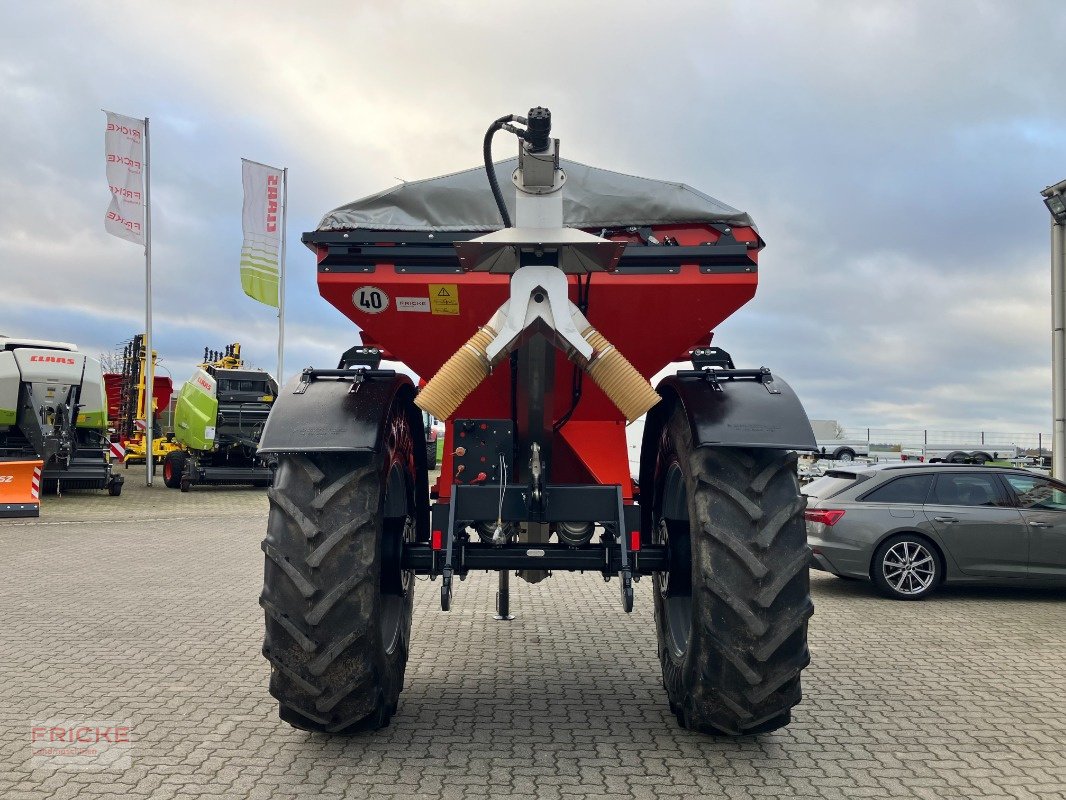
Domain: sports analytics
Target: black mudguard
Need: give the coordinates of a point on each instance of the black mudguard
(743, 414)
(329, 417)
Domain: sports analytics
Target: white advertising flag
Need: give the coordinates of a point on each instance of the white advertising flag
(262, 231)
(124, 148)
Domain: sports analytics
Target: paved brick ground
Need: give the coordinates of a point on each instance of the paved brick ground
(143, 608)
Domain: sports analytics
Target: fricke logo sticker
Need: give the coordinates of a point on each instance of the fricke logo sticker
(412, 304)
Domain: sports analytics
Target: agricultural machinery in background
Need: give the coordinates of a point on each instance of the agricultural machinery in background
(538, 339)
(125, 403)
(218, 419)
(53, 408)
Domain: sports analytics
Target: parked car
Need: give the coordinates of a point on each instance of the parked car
(910, 527)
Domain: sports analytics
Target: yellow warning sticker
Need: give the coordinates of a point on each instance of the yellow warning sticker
(444, 299)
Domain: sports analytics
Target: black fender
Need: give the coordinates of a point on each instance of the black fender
(335, 415)
(338, 415)
(728, 413)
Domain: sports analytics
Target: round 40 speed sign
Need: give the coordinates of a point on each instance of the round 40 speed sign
(370, 299)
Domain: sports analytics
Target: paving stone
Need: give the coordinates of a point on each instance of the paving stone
(143, 608)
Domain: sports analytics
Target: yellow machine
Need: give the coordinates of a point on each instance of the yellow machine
(132, 417)
(230, 358)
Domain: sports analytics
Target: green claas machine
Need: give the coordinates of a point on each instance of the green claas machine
(53, 408)
(218, 420)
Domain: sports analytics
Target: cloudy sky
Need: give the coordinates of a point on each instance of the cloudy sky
(891, 152)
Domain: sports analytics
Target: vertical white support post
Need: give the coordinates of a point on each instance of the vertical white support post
(1058, 349)
(149, 361)
(281, 275)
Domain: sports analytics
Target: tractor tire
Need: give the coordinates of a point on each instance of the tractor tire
(431, 455)
(338, 607)
(173, 467)
(731, 613)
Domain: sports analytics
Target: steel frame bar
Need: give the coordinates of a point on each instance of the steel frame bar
(605, 558)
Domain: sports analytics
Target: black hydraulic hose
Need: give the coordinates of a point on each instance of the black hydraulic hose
(576, 381)
(490, 168)
(513, 363)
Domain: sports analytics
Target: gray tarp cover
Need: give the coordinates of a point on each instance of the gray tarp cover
(592, 198)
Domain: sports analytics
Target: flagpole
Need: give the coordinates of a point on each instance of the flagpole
(281, 274)
(149, 361)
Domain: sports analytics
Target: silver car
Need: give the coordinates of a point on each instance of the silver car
(910, 527)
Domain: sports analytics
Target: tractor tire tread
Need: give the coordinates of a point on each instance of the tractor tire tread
(751, 601)
(321, 567)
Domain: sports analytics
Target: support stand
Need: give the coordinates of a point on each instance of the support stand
(625, 571)
(503, 597)
(449, 551)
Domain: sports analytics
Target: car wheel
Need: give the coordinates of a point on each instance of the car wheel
(906, 567)
(845, 455)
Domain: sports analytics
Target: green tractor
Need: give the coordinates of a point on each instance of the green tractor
(218, 420)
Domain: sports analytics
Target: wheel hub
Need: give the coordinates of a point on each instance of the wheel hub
(398, 525)
(663, 538)
(909, 568)
(675, 583)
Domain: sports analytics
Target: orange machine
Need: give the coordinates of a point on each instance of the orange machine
(20, 488)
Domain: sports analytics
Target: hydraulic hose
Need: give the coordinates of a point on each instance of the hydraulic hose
(490, 168)
(575, 394)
